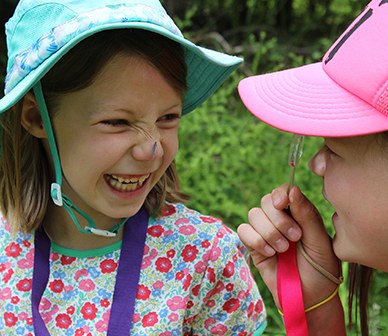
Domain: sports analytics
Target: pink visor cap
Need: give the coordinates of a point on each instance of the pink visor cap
(344, 95)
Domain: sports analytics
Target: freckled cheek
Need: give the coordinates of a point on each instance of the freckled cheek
(175, 148)
(169, 155)
(87, 159)
(170, 146)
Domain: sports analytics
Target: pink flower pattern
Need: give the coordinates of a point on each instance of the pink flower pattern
(195, 280)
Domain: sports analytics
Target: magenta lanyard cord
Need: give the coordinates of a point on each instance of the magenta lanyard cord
(290, 293)
(288, 279)
(127, 278)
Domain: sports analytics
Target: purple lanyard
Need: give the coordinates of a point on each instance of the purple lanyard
(127, 278)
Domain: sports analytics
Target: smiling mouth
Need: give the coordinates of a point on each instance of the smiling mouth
(126, 184)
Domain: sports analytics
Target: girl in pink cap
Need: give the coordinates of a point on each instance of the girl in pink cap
(343, 99)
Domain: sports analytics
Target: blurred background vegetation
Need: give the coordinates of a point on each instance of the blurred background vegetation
(228, 159)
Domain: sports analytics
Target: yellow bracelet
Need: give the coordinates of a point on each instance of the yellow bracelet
(330, 297)
(323, 302)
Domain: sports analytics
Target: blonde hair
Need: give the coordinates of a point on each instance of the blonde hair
(24, 167)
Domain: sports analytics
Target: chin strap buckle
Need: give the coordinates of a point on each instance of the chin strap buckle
(56, 194)
(99, 232)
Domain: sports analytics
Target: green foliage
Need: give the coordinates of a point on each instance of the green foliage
(378, 302)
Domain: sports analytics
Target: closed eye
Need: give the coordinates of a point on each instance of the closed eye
(170, 117)
(169, 121)
(330, 151)
(115, 122)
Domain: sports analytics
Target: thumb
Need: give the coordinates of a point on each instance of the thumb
(308, 218)
(315, 239)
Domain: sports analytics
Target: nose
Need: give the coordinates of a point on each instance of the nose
(317, 163)
(147, 150)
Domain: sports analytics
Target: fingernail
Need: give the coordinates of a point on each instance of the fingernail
(281, 245)
(269, 251)
(276, 201)
(277, 197)
(294, 233)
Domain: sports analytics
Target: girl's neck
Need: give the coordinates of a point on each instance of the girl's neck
(63, 231)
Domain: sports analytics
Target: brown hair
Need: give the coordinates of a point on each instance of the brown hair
(24, 173)
(359, 282)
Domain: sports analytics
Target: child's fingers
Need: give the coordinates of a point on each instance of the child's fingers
(268, 232)
(269, 229)
(278, 219)
(252, 238)
(256, 246)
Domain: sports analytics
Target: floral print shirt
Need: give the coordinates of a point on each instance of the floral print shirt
(194, 280)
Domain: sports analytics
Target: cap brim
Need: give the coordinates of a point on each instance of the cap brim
(305, 100)
(207, 69)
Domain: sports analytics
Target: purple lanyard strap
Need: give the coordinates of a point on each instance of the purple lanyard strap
(127, 278)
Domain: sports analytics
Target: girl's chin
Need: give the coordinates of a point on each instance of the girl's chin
(343, 250)
(124, 212)
(112, 212)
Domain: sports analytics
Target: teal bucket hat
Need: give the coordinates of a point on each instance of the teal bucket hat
(42, 31)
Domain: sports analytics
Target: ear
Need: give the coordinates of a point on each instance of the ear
(31, 118)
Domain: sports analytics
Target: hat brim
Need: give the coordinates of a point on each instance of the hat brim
(305, 100)
(207, 69)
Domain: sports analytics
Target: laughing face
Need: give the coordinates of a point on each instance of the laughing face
(355, 178)
(117, 137)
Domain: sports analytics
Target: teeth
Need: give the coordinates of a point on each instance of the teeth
(126, 184)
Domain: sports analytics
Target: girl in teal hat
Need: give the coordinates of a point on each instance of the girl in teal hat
(95, 239)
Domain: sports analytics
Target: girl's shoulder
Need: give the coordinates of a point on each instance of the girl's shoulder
(16, 257)
(177, 220)
(13, 244)
(179, 215)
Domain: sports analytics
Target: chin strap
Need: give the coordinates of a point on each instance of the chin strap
(56, 193)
